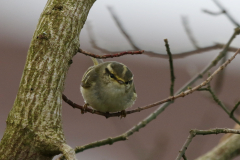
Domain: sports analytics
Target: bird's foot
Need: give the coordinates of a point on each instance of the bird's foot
(85, 106)
(123, 114)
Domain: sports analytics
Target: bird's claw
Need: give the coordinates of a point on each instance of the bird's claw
(85, 106)
(123, 114)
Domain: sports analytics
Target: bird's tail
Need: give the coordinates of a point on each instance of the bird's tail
(96, 61)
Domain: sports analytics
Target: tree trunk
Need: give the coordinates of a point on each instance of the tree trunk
(34, 127)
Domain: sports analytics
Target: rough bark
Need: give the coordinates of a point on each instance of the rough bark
(34, 127)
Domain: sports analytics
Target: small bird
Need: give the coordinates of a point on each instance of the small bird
(108, 86)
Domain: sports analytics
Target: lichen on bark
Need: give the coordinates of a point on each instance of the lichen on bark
(34, 127)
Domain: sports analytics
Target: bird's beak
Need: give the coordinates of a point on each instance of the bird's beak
(120, 82)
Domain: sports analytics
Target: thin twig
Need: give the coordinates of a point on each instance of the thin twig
(226, 13)
(160, 55)
(189, 32)
(109, 55)
(171, 67)
(120, 26)
(186, 144)
(213, 13)
(189, 53)
(223, 11)
(233, 110)
(220, 77)
(194, 132)
(219, 102)
(92, 39)
(171, 98)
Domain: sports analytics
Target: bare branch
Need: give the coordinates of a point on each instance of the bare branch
(109, 55)
(220, 78)
(92, 38)
(120, 26)
(184, 156)
(193, 133)
(213, 13)
(223, 11)
(171, 67)
(189, 32)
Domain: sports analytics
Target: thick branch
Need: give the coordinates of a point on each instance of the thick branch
(194, 132)
(226, 150)
(34, 128)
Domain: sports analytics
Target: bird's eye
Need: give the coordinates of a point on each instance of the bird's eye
(111, 75)
(126, 82)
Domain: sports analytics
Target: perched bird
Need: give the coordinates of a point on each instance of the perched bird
(108, 86)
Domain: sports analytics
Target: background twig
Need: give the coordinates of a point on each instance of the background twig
(189, 32)
(219, 102)
(223, 11)
(120, 26)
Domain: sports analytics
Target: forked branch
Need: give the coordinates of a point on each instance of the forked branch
(223, 11)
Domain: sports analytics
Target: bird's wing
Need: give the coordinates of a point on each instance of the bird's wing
(89, 77)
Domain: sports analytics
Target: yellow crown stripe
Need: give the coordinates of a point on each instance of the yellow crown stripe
(111, 71)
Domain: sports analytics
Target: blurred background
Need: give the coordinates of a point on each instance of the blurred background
(147, 23)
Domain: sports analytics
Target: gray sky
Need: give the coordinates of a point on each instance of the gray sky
(148, 22)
